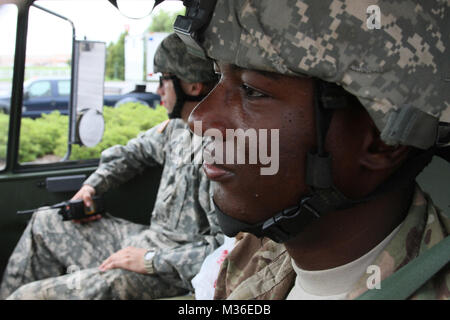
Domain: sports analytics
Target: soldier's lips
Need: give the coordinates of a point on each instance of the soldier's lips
(215, 172)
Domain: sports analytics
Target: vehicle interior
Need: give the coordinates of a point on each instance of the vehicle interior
(29, 183)
(35, 49)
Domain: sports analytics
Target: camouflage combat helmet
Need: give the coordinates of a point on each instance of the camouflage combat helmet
(399, 72)
(172, 57)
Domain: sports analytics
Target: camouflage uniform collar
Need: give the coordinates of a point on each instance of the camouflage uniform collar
(270, 281)
(421, 229)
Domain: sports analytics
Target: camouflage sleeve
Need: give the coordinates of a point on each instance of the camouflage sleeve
(119, 164)
(186, 259)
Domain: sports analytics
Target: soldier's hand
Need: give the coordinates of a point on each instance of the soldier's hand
(130, 258)
(86, 193)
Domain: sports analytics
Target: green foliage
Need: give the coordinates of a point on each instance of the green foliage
(121, 125)
(4, 124)
(115, 59)
(48, 135)
(115, 52)
(38, 136)
(163, 21)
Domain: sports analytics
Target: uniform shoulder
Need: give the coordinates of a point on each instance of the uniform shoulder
(163, 125)
(171, 124)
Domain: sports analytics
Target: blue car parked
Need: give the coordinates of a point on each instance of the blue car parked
(44, 95)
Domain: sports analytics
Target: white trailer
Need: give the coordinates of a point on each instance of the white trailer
(139, 53)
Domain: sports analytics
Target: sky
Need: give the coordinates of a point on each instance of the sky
(96, 20)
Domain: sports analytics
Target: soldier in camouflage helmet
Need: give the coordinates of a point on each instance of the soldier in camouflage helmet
(360, 112)
(171, 62)
(111, 258)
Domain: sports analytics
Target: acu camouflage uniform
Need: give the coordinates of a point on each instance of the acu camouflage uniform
(399, 73)
(262, 268)
(183, 227)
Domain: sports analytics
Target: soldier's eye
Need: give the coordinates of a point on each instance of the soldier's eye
(251, 92)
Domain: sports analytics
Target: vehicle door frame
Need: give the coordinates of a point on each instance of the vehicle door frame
(26, 186)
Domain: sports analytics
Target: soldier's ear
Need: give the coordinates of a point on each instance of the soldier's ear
(193, 88)
(377, 155)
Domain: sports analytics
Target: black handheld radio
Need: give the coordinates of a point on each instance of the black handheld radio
(74, 209)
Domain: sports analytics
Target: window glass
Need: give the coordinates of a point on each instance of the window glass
(64, 87)
(40, 89)
(44, 124)
(130, 102)
(8, 23)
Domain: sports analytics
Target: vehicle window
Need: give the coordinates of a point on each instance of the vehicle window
(8, 23)
(130, 105)
(44, 123)
(64, 87)
(40, 89)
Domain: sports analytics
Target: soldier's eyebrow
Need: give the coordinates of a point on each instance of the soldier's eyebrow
(271, 75)
(277, 76)
(268, 74)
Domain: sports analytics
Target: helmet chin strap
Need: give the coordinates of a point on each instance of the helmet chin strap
(280, 228)
(324, 197)
(181, 98)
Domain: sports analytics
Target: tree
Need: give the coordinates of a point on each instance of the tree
(163, 21)
(115, 52)
(115, 59)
